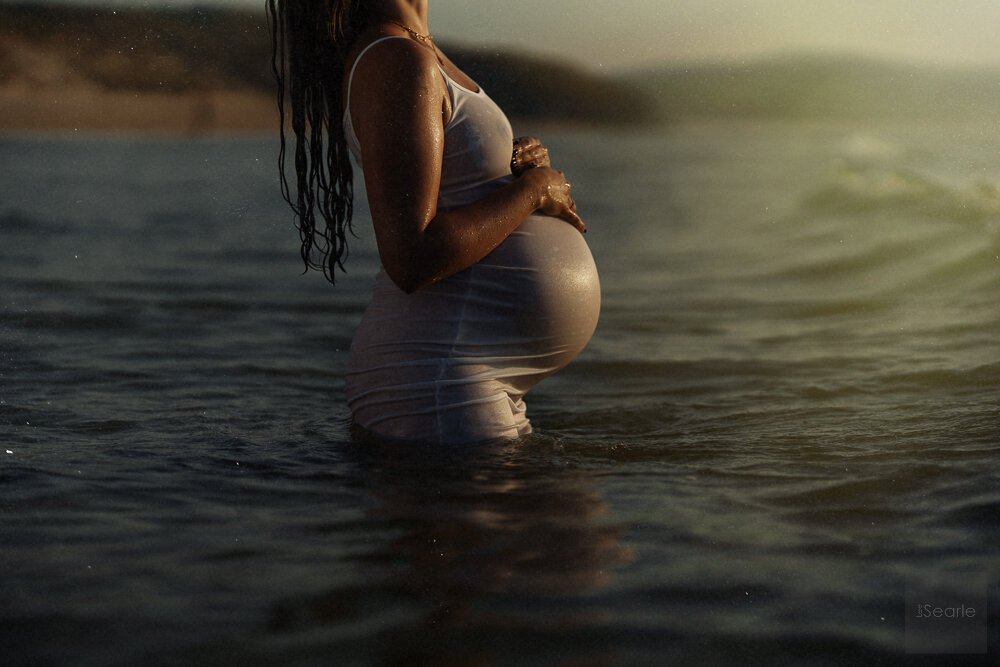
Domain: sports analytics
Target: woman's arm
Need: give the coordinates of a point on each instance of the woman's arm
(399, 103)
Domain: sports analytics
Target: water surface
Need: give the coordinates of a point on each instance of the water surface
(788, 414)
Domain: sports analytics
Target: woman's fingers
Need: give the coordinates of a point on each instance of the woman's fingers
(533, 154)
(527, 142)
(529, 159)
(555, 196)
(572, 218)
(570, 214)
(528, 153)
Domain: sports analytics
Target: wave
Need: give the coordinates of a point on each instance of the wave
(874, 237)
(865, 188)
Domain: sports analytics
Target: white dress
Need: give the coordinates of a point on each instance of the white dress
(451, 362)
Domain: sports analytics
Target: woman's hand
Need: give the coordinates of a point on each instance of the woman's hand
(529, 153)
(553, 191)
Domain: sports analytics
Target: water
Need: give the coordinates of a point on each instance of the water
(788, 415)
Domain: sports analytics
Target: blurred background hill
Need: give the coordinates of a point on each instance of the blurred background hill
(209, 68)
(813, 85)
(203, 69)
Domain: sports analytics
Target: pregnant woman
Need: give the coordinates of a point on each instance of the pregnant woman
(487, 285)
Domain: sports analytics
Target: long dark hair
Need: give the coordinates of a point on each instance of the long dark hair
(309, 39)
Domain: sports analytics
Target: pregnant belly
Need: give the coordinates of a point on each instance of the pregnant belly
(521, 313)
(554, 293)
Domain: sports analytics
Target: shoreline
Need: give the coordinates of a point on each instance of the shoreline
(93, 110)
(88, 108)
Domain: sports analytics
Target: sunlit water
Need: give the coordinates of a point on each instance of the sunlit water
(789, 413)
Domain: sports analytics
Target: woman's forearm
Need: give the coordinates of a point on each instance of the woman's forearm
(457, 238)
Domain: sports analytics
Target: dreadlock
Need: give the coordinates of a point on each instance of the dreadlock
(309, 39)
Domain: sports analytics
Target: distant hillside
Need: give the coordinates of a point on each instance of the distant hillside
(816, 86)
(136, 49)
(83, 55)
(526, 86)
(199, 69)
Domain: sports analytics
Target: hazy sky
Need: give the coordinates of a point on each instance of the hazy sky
(624, 33)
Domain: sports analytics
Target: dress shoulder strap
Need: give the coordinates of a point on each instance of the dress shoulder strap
(350, 77)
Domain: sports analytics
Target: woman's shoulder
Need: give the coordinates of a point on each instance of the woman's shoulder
(391, 57)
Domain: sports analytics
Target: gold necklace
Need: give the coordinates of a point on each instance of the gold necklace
(426, 40)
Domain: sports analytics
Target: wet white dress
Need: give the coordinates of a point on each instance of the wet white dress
(451, 362)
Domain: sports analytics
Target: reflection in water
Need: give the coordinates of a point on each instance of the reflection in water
(482, 550)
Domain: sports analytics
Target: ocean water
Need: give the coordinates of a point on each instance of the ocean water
(787, 420)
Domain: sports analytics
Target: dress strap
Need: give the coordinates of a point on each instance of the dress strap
(350, 77)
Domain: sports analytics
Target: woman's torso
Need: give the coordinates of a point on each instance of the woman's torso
(519, 314)
(478, 139)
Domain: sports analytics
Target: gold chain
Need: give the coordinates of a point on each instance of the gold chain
(426, 39)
